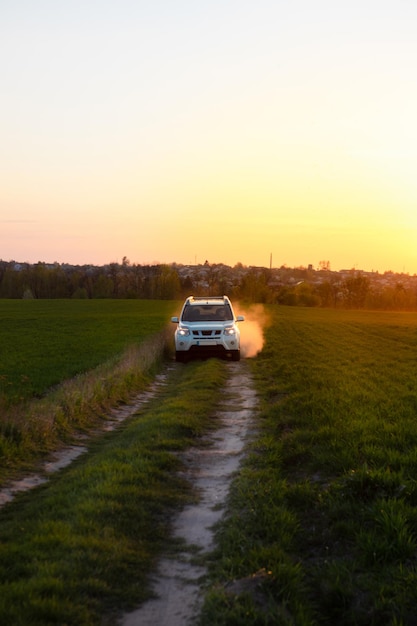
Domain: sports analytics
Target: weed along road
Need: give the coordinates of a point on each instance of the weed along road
(65, 456)
(209, 467)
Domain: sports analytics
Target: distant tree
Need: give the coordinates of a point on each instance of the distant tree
(3, 269)
(103, 287)
(329, 292)
(115, 275)
(393, 297)
(356, 289)
(286, 295)
(306, 295)
(324, 266)
(80, 294)
(167, 284)
(254, 287)
(12, 284)
(59, 284)
(133, 282)
(187, 286)
(37, 278)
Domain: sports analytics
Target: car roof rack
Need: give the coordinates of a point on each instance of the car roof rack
(201, 298)
(206, 299)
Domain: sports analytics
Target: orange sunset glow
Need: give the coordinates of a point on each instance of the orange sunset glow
(227, 131)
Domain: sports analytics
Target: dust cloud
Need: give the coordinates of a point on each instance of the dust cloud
(252, 329)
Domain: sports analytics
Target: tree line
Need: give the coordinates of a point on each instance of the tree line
(355, 291)
(115, 280)
(293, 287)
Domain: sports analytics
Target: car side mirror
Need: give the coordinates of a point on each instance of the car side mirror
(175, 320)
(240, 318)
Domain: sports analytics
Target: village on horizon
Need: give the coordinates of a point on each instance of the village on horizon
(300, 286)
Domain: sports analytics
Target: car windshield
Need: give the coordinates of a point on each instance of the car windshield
(207, 313)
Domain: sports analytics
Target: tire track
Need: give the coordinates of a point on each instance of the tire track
(210, 468)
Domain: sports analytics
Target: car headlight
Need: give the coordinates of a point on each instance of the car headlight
(231, 330)
(183, 332)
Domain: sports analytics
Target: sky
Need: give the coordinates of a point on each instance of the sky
(227, 131)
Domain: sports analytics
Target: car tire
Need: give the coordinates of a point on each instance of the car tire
(180, 356)
(236, 355)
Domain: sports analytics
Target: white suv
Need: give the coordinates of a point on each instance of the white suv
(207, 326)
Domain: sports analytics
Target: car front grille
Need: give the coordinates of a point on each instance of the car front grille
(206, 333)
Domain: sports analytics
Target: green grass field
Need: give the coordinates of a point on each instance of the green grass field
(321, 526)
(46, 341)
(64, 363)
(325, 508)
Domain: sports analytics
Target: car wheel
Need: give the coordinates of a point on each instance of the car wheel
(180, 357)
(236, 355)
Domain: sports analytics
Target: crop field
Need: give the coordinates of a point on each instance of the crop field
(65, 362)
(321, 523)
(324, 511)
(46, 341)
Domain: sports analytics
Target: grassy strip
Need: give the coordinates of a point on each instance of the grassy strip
(33, 428)
(322, 526)
(82, 546)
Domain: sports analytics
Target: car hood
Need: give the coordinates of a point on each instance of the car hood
(207, 325)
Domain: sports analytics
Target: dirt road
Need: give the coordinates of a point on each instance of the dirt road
(178, 581)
